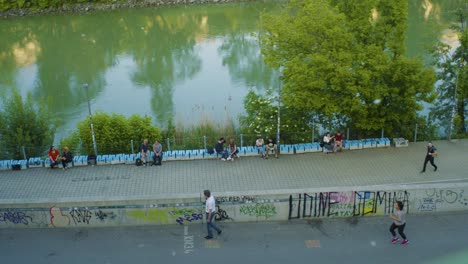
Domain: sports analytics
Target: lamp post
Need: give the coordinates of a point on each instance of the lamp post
(85, 86)
(280, 75)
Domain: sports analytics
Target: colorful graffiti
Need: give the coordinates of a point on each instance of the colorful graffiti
(166, 215)
(258, 210)
(329, 204)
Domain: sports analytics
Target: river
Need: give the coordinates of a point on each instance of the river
(192, 63)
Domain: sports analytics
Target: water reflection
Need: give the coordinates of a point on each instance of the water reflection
(191, 63)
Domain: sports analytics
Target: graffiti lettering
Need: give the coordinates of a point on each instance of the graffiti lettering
(189, 218)
(15, 217)
(427, 205)
(182, 211)
(102, 216)
(328, 204)
(236, 199)
(221, 214)
(259, 210)
(447, 196)
(81, 215)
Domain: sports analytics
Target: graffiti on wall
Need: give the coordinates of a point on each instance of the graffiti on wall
(81, 215)
(427, 205)
(437, 198)
(236, 199)
(15, 217)
(221, 214)
(58, 218)
(330, 204)
(258, 210)
(447, 196)
(103, 216)
(166, 215)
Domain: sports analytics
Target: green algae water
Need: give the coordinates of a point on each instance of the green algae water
(192, 63)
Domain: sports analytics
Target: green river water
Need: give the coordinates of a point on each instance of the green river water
(192, 63)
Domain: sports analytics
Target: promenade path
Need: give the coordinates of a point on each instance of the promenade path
(248, 175)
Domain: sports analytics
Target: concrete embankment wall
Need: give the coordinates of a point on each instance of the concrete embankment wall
(265, 206)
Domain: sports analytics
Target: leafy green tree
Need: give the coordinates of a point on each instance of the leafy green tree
(114, 134)
(24, 123)
(345, 60)
(261, 119)
(451, 105)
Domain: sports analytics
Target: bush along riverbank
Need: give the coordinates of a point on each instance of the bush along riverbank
(12, 8)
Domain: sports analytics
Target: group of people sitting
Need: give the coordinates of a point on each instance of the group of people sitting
(231, 151)
(145, 153)
(55, 158)
(228, 153)
(264, 149)
(332, 143)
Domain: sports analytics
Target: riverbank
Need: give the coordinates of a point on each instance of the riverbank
(91, 7)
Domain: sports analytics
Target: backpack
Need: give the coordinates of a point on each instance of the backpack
(210, 150)
(138, 162)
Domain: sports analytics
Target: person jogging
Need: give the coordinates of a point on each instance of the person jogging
(399, 222)
(430, 154)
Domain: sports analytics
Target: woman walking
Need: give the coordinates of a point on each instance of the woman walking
(399, 221)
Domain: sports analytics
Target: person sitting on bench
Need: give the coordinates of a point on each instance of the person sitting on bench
(53, 156)
(327, 143)
(271, 146)
(219, 147)
(157, 149)
(66, 158)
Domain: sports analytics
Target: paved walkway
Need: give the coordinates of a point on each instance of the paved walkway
(367, 167)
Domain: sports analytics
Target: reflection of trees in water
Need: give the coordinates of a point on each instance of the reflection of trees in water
(164, 54)
(241, 54)
(68, 51)
(428, 22)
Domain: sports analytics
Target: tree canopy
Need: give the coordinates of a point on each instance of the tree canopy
(24, 123)
(114, 134)
(452, 87)
(346, 60)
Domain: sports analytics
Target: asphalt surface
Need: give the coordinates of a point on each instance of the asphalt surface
(439, 238)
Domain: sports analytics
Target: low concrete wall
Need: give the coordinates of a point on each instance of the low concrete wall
(307, 204)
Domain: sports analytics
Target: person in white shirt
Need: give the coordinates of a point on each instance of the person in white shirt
(327, 143)
(210, 207)
(259, 144)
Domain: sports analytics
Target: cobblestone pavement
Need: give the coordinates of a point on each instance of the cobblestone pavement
(367, 167)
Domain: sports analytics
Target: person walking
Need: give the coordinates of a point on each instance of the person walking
(399, 222)
(431, 153)
(210, 207)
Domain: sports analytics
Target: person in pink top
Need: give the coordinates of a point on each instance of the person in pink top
(53, 156)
